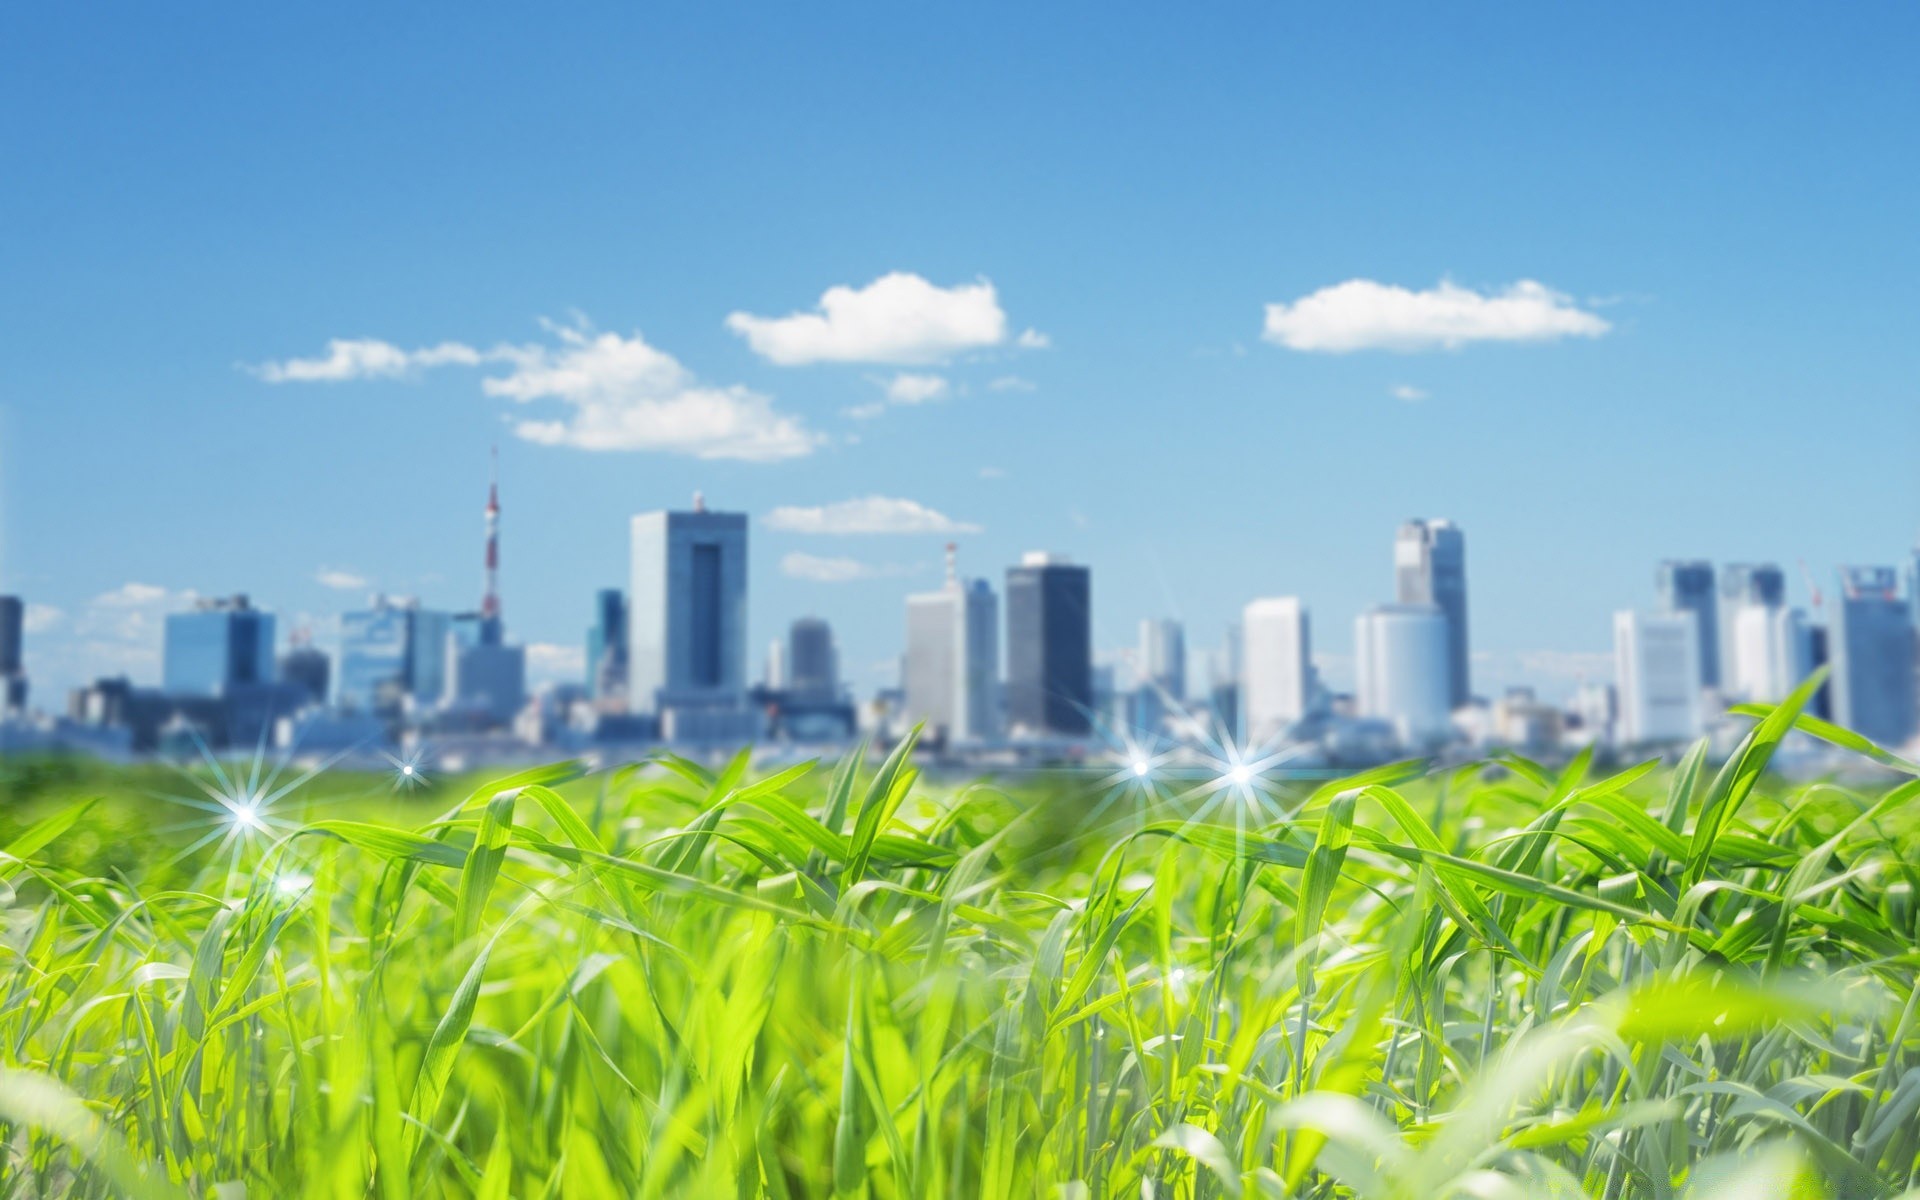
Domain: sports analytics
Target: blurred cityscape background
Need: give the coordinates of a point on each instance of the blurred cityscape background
(997, 665)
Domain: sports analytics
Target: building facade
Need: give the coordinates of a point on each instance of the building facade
(1163, 657)
(1276, 667)
(1402, 671)
(1430, 567)
(220, 645)
(687, 616)
(1872, 648)
(1656, 662)
(1049, 647)
(1686, 585)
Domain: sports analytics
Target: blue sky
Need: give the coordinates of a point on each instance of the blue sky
(1717, 202)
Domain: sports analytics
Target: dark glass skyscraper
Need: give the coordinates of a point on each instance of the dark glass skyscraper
(1049, 646)
(1687, 586)
(1430, 567)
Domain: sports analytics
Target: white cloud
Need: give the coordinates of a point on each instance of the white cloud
(551, 661)
(340, 581)
(868, 514)
(368, 358)
(114, 633)
(1361, 314)
(1010, 383)
(622, 393)
(41, 618)
(908, 388)
(1407, 392)
(866, 412)
(1033, 339)
(993, 473)
(898, 318)
(816, 569)
(628, 395)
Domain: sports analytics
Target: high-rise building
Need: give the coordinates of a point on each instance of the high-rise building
(1873, 650)
(391, 653)
(1772, 651)
(1744, 586)
(308, 668)
(13, 671)
(607, 646)
(1276, 667)
(13, 616)
(951, 673)
(1656, 662)
(1163, 657)
(1430, 567)
(774, 674)
(1049, 646)
(1402, 664)
(1687, 586)
(687, 616)
(812, 662)
(220, 645)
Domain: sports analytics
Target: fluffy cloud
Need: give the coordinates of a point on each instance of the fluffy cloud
(1010, 383)
(620, 392)
(909, 388)
(628, 395)
(368, 358)
(340, 581)
(868, 514)
(816, 569)
(1361, 314)
(114, 633)
(1408, 392)
(898, 318)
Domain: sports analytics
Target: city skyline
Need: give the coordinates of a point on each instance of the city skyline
(1211, 350)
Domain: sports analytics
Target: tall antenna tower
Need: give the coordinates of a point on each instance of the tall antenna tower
(490, 602)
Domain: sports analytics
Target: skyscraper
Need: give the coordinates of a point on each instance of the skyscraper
(1873, 649)
(13, 672)
(1772, 651)
(219, 645)
(393, 652)
(1163, 657)
(1402, 659)
(1745, 586)
(951, 673)
(687, 614)
(1276, 667)
(812, 662)
(1430, 567)
(1687, 586)
(1656, 662)
(607, 646)
(308, 668)
(1049, 646)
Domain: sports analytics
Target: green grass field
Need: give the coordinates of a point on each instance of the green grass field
(845, 981)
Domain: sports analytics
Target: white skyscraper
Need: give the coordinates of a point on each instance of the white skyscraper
(952, 670)
(1276, 667)
(1403, 670)
(1656, 662)
(1772, 651)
